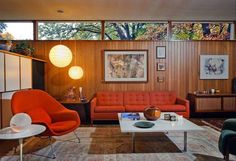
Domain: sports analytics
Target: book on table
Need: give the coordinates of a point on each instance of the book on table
(130, 116)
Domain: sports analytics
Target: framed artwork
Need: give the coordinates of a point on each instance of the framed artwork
(161, 52)
(161, 66)
(125, 65)
(214, 66)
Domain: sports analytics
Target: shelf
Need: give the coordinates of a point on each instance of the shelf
(16, 54)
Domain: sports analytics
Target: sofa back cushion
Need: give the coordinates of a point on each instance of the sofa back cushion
(136, 98)
(110, 98)
(162, 98)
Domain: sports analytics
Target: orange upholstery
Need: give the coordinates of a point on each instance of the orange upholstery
(45, 110)
(110, 109)
(39, 114)
(110, 98)
(162, 98)
(63, 126)
(136, 98)
(135, 108)
(106, 105)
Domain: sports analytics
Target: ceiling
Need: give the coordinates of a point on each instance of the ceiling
(208, 10)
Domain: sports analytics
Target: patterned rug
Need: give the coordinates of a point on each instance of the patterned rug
(216, 123)
(103, 143)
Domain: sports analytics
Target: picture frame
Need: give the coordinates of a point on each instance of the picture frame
(125, 65)
(161, 66)
(214, 66)
(160, 52)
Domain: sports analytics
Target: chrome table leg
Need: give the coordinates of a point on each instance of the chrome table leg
(133, 142)
(185, 141)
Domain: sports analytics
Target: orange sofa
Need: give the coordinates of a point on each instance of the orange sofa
(105, 105)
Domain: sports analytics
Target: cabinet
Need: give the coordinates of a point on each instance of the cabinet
(12, 72)
(2, 75)
(215, 104)
(26, 73)
(6, 108)
(17, 72)
(38, 80)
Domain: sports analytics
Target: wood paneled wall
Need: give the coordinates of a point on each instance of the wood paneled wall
(182, 66)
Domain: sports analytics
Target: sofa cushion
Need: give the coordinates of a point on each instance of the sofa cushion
(110, 98)
(171, 108)
(162, 98)
(136, 98)
(109, 109)
(135, 108)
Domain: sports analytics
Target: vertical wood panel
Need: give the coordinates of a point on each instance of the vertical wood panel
(6, 108)
(182, 66)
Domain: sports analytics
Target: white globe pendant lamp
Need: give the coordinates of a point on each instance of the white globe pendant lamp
(75, 72)
(60, 56)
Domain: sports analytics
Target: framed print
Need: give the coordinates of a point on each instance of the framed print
(214, 66)
(161, 66)
(125, 65)
(161, 52)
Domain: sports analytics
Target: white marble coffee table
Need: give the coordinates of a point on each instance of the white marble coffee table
(161, 125)
(8, 134)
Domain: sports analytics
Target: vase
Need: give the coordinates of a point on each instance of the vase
(152, 113)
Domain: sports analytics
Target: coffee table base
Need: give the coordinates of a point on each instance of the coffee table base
(185, 142)
(21, 149)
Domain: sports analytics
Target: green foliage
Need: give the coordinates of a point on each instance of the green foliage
(92, 31)
(69, 31)
(201, 31)
(2, 27)
(23, 48)
(135, 31)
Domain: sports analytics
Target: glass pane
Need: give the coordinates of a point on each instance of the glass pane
(201, 31)
(135, 31)
(69, 31)
(16, 31)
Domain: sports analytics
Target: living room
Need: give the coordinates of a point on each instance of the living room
(167, 65)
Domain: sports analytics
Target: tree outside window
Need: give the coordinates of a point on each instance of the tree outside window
(69, 31)
(201, 31)
(135, 31)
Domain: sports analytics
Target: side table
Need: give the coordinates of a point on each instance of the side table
(8, 134)
(82, 107)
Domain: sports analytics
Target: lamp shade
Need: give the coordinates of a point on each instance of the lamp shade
(75, 72)
(60, 56)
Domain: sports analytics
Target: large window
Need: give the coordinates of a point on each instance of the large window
(16, 31)
(116, 30)
(69, 30)
(201, 31)
(135, 31)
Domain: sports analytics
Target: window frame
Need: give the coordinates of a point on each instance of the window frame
(22, 21)
(169, 29)
(138, 21)
(67, 21)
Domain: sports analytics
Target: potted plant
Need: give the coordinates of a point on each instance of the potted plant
(23, 48)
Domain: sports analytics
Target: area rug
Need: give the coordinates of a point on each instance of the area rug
(107, 143)
(216, 123)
